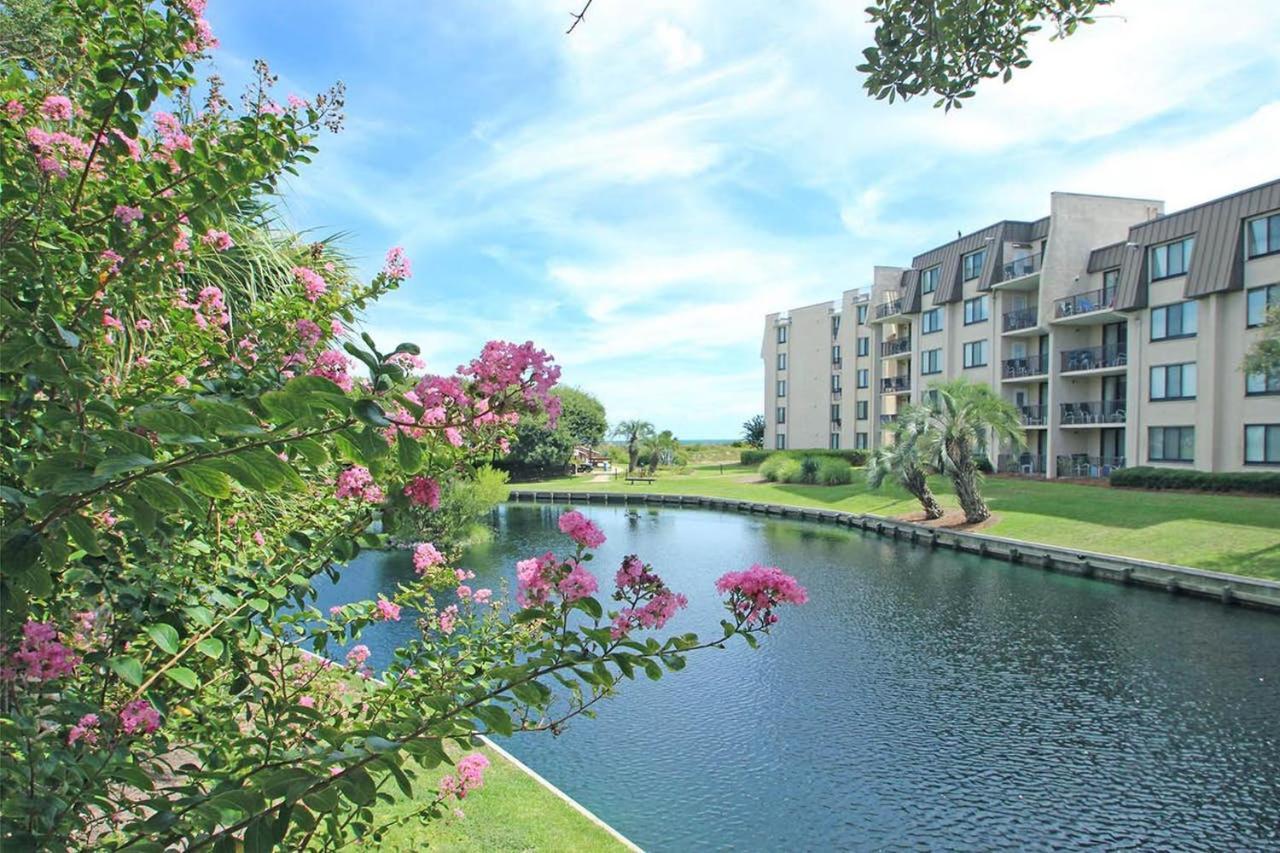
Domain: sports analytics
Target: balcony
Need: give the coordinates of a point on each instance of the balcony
(837, 363)
(1024, 367)
(1097, 413)
(1034, 416)
(888, 309)
(895, 346)
(835, 395)
(1021, 267)
(888, 420)
(1112, 357)
(1023, 464)
(1081, 466)
(1085, 308)
(1022, 318)
(896, 385)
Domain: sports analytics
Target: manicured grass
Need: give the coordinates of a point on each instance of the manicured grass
(510, 812)
(1225, 533)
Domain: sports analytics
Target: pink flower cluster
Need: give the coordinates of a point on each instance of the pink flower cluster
(127, 214)
(397, 264)
(535, 578)
(449, 619)
(358, 655)
(308, 332)
(220, 241)
(56, 153)
(85, 730)
(578, 584)
(333, 365)
(312, 282)
(204, 38)
(581, 530)
(14, 110)
(502, 365)
(652, 603)
(755, 592)
(470, 775)
(425, 556)
(357, 483)
(388, 611)
(139, 715)
(210, 305)
(423, 491)
(41, 656)
(57, 108)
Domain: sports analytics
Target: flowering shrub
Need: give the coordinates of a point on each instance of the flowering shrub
(186, 450)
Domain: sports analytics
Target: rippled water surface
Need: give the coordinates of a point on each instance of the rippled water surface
(922, 699)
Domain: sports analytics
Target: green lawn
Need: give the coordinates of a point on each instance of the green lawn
(511, 812)
(1225, 533)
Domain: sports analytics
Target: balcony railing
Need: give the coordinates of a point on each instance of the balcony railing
(1037, 415)
(1019, 267)
(894, 346)
(1026, 464)
(1022, 318)
(837, 362)
(1084, 303)
(1082, 466)
(1097, 412)
(1027, 365)
(895, 385)
(888, 309)
(1094, 358)
(888, 420)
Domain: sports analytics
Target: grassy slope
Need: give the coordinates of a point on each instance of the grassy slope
(510, 812)
(1225, 533)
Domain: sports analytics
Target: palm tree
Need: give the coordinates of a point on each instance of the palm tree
(960, 417)
(634, 432)
(901, 460)
(660, 449)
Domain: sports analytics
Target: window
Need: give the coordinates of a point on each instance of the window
(1262, 444)
(835, 325)
(834, 444)
(1259, 299)
(860, 410)
(780, 441)
(782, 387)
(835, 413)
(835, 383)
(1170, 259)
(1171, 444)
(931, 321)
(930, 397)
(782, 361)
(864, 378)
(780, 416)
(1174, 321)
(860, 441)
(929, 279)
(1110, 281)
(835, 354)
(1262, 383)
(931, 361)
(862, 315)
(864, 346)
(1173, 382)
(972, 264)
(975, 310)
(1263, 235)
(782, 334)
(975, 354)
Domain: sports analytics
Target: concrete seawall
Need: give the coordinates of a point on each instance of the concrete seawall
(1220, 586)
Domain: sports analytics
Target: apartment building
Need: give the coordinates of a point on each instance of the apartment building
(1115, 328)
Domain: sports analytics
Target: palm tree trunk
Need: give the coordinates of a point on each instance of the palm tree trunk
(975, 508)
(918, 486)
(632, 453)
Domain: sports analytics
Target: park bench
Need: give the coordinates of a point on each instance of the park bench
(634, 480)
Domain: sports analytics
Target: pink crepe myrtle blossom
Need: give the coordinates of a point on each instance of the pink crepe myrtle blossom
(312, 282)
(482, 595)
(258, 538)
(113, 259)
(581, 530)
(463, 574)
(423, 491)
(110, 322)
(388, 611)
(449, 619)
(142, 325)
(333, 366)
(85, 730)
(131, 146)
(57, 108)
(219, 241)
(182, 242)
(357, 483)
(463, 592)
(397, 264)
(755, 592)
(425, 556)
(57, 153)
(139, 715)
(181, 381)
(126, 214)
(502, 365)
(307, 701)
(270, 108)
(652, 603)
(40, 656)
(469, 775)
(358, 655)
(578, 584)
(14, 110)
(535, 578)
(204, 38)
(308, 332)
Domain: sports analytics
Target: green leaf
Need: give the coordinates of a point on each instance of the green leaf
(129, 442)
(164, 636)
(313, 385)
(227, 419)
(169, 426)
(115, 465)
(182, 676)
(652, 669)
(82, 533)
(20, 551)
(143, 514)
(129, 670)
(207, 480)
(495, 718)
(428, 752)
(409, 454)
(163, 495)
(211, 647)
(412, 349)
(371, 413)
(311, 450)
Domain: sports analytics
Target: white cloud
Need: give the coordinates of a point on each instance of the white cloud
(680, 51)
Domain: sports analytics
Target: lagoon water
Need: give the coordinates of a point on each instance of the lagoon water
(922, 700)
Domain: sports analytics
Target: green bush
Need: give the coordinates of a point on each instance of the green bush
(789, 470)
(856, 458)
(769, 467)
(1147, 477)
(809, 470)
(834, 472)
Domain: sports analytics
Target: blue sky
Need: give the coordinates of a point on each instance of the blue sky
(636, 197)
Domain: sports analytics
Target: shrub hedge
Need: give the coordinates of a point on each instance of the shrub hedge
(1147, 477)
(834, 472)
(815, 469)
(857, 458)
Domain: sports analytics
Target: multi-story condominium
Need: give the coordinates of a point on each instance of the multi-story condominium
(1117, 330)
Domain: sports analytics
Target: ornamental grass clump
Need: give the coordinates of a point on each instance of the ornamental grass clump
(193, 435)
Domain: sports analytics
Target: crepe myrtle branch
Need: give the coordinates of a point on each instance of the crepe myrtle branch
(577, 17)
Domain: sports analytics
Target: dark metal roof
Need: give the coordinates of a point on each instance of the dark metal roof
(1106, 257)
(909, 287)
(1217, 263)
(992, 238)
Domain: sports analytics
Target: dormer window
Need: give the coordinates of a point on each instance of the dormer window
(1171, 259)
